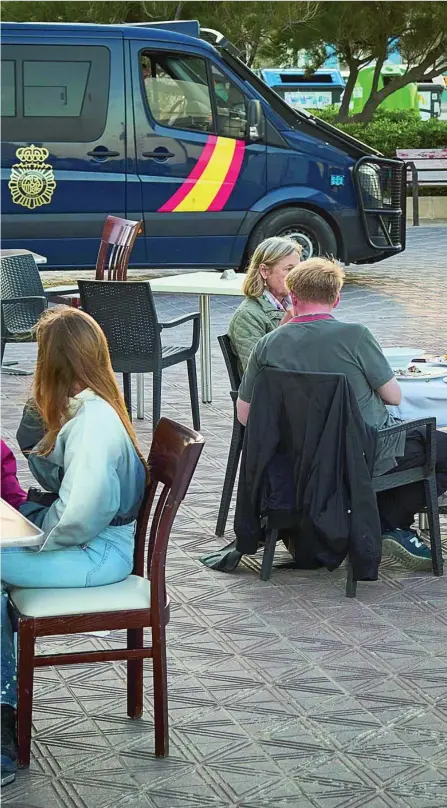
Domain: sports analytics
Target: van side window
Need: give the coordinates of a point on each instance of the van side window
(177, 91)
(8, 89)
(54, 92)
(231, 106)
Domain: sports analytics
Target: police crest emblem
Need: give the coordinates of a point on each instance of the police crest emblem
(32, 180)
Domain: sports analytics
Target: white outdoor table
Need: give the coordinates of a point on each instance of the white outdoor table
(421, 399)
(39, 259)
(203, 284)
(15, 530)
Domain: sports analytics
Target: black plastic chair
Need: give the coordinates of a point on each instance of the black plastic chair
(126, 312)
(425, 473)
(386, 482)
(237, 437)
(23, 299)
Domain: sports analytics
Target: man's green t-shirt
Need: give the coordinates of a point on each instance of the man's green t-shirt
(332, 346)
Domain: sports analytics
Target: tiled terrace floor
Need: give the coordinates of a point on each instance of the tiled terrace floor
(281, 693)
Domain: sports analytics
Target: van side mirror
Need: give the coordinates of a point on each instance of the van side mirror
(255, 120)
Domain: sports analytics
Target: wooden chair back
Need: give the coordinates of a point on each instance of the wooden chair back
(117, 240)
(174, 455)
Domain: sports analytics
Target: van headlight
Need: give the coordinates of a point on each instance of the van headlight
(370, 181)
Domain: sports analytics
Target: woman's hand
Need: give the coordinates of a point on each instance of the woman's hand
(287, 316)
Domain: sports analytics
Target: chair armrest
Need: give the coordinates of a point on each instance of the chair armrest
(406, 425)
(194, 317)
(25, 299)
(60, 291)
(430, 437)
(180, 320)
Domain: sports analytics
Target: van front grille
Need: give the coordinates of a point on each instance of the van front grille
(380, 185)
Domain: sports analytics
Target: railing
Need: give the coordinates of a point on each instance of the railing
(414, 181)
(418, 164)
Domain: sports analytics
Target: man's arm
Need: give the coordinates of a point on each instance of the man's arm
(247, 383)
(377, 369)
(390, 393)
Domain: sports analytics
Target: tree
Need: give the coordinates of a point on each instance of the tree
(251, 26)
(423, 46)
(364, 33)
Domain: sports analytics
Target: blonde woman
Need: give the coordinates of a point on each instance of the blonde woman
(89, 459)
(266, 304)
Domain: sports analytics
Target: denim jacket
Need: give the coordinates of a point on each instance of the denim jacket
(95, 471)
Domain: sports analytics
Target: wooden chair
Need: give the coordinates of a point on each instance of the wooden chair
(117, 240)
(137, 602)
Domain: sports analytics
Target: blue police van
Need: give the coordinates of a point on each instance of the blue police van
(164, 123)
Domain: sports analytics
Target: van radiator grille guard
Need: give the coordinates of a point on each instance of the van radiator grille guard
(381, 189)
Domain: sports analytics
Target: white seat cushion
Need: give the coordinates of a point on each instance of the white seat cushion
(132, 593)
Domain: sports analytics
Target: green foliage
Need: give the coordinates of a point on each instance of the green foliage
(251, 26)
(92, 12)
(390, 130)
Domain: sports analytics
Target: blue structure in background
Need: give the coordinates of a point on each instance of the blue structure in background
(320, 89)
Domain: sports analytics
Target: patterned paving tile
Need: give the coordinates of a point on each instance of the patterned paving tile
(282, 694)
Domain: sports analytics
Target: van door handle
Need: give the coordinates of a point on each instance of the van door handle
(101, 153)
(159, 154)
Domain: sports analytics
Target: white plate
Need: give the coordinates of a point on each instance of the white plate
(436, 362)
(425, 375)
(400, 358)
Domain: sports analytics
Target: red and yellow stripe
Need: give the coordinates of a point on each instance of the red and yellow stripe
(212, 179)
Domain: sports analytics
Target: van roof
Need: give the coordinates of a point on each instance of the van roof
(151, 31)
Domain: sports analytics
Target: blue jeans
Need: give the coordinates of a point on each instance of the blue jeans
(105, 560)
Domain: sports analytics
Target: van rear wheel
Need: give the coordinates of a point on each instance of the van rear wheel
(309, 229)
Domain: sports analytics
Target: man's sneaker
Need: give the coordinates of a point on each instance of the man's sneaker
(407, 547)
(8, 744)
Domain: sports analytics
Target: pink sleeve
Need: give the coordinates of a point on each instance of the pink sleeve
(11, 492)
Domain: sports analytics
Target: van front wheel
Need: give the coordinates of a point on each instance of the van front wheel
(309, 229)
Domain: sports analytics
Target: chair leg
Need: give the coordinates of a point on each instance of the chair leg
(3, 349)
(127, 393)
(269, 552)
(160, 675)
(193, 392)
(230, 476)
(431, 498)
(25, 680)
(351, 583)
(156, 397)
(135, 638)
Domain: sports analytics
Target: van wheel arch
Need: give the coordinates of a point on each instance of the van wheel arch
(320, 234)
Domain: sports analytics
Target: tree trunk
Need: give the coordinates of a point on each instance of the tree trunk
(253, 52)
(414, 74)
(178, 11)
(343, 112)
